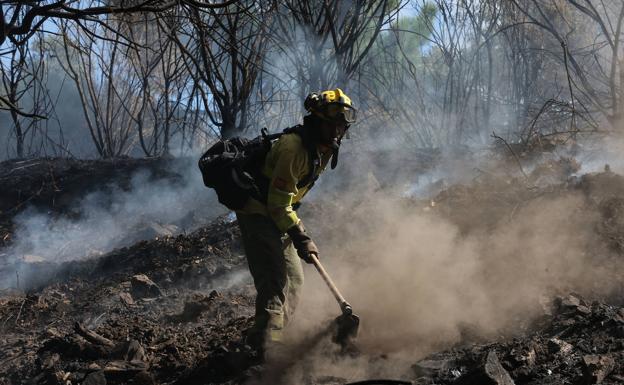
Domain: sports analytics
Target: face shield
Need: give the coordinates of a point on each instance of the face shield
(336, 111)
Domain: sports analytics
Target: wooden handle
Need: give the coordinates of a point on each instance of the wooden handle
(344, 305)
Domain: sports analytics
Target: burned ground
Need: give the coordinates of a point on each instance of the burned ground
(173, 308)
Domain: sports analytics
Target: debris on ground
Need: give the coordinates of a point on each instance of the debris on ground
(582, 344)
(169, 310)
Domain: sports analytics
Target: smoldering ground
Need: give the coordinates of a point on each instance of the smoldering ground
(423, 277)
(109, 217)
(423, 281)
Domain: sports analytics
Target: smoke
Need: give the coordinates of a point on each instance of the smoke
(113, 217)
(421, 282)
(416, 278)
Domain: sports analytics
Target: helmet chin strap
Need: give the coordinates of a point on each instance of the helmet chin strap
(335, 145)
(335, 148)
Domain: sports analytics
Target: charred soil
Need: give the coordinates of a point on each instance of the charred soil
(174, 308)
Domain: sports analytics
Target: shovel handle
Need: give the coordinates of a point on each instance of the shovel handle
(344, 305)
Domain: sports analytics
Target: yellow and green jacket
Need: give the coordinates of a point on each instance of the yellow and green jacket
(286, 164)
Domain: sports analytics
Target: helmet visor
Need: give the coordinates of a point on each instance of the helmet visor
(336, 111)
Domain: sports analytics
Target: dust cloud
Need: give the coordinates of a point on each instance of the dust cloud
(422, 281)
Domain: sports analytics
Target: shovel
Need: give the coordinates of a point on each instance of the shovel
(347, 323)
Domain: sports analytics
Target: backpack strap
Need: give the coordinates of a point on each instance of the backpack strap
(310, 145)
(270, 137)
(262, 182)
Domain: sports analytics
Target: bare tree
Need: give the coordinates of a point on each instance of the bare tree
(327, 41)
(164, 82)
(20, 20)
(224, 52)
(21, 77)
(486, 67)
(150, 74)
(589, 35)
(107, 89)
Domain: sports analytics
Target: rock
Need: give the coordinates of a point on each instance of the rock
(428, 368)
(126, 298)
(597, 367)
(572, 303)
(135, 352)
(491, 372)
(95, 378)
(619, 316)
(555, 345)
(569, 301)
(142, 286)
(495, 370)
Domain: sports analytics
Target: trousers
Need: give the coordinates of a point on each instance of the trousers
(277, 274)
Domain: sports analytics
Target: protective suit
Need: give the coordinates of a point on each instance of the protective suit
(273, 236)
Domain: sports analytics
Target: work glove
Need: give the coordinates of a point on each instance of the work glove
(302, 242)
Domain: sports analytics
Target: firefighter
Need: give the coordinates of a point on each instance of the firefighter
(273, 236)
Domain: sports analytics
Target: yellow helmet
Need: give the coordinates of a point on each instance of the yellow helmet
(331, 105)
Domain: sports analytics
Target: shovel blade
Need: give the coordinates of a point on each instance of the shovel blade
(347, 326)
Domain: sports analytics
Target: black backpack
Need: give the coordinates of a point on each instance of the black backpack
(233, 167)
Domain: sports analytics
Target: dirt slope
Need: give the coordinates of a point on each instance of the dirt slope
(173, 309)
